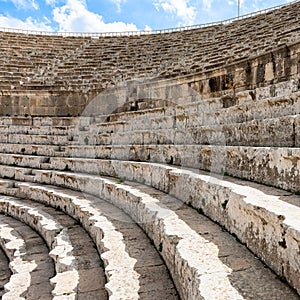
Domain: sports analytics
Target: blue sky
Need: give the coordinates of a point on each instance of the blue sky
(120, 15)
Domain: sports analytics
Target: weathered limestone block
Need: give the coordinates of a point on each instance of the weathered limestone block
(38, 139)
(43, 150)
(22, 160)
(242, 98)
(55, 121)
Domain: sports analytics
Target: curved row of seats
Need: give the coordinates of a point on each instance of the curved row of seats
(80, 63)
(183, 199)
(194, 135)
(64, 163)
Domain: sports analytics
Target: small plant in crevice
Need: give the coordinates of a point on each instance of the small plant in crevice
(282, 278)
(102, 265)
(118, 181)
(223, 172)
(189, 204)
(171, 161)
(297, 193)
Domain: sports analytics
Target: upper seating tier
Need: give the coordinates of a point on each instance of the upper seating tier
(44, 62)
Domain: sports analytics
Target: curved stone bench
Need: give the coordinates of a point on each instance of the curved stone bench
(20, 280)
(56, 237)
(199, 114)
(35, 139)
(88, 183)
(122, 278)
(278, 132)
(30, 149)
(272, 166)
(37, 130)
(234, 203)
(37, 251)
(181, 243)
(22, 263)
(115, 168)
(153, 276)
(5, 272)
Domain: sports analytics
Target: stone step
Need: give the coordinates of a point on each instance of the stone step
(35, 139)
(23, 160)
(192, 114)
(38, 130)
(29, 261)
(182, 119)
(271, 166)
(277, 132)
(5, 272)
(30, 149)
(75, 249)
(41, 121)
(172, 226)
(154, 276)
(56, 238)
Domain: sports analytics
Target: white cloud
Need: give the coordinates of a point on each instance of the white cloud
(180, 8)
(29, 24)
(51, 2)
(207, 4)
(74, 16)
(118, 3)
(25, 4)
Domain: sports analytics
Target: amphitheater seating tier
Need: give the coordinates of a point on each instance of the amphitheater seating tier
(81, 63)
(172, 192)
(83, 167)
